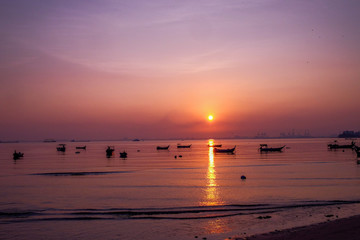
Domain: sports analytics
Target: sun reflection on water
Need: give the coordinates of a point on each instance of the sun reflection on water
(212, 196)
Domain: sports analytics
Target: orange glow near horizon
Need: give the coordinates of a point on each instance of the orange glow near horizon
(186, 80)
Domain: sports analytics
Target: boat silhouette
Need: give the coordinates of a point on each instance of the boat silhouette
(61, 148)
(163, 147)
(225, 150)
(109, 151)
(17, 155)
(83, 147)
(123, 154)
(357, 150)
(215, 145)
(184, 146)
(335, 145)
(265, 148)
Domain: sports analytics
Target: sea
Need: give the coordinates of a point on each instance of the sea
(179, 193)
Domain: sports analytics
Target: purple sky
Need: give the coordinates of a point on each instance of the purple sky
(156, 69)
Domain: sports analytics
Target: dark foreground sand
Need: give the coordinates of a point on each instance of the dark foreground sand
(340, 229)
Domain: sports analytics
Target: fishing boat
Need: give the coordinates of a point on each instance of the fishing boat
(163, 147)
(17, 155)
(61, 148)
(357, 150)
(123, 154)
(184, 146)
(335, 145)
(265, 148)
(225, 150)
(214, 145)
(83, 147)
(109, 151)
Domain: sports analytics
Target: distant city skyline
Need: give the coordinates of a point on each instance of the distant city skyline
(158, 69)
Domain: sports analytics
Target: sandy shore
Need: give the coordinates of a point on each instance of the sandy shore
(344, 229)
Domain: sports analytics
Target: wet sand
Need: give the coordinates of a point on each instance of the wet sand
(344, 229)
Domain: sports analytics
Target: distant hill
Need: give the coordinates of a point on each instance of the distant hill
(349, 134)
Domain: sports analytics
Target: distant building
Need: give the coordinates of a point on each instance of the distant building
(261, 135)
(296, 134)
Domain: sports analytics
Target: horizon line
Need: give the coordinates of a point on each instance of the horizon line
(167, 139)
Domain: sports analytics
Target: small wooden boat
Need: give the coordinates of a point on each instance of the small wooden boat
(17, 155)
(335, 145)
(358, 153)
(357, 150)
(83, 147)
(61, 148)
(265, 148)
(163, 147)
(214, 145)
(225, 150)
(123, 154)
(109, 151)
(184, 146)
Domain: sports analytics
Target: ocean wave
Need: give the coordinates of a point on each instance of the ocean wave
(79, 173)
(178, 213)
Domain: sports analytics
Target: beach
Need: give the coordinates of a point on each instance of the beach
(344, 229)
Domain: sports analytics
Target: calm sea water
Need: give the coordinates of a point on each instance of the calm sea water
(152, 195)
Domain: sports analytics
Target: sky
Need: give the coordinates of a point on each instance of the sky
(106, 69)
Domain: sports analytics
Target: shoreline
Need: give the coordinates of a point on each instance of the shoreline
(343, 228)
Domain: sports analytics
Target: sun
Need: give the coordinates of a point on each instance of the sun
(210, 117)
